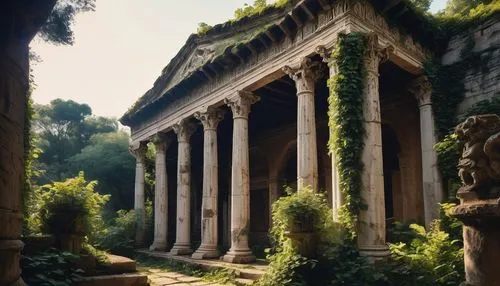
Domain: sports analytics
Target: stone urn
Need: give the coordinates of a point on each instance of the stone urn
(67, 224)
(303, 235)
(479, 195)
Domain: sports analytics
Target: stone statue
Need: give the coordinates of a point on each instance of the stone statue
(479, 209)
(479, 166)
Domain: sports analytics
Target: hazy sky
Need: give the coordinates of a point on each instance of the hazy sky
(121, 48)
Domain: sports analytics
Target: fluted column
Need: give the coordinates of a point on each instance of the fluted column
(305, 75)
(161, 143)
(184, 129)
(240, 176)
(139, 153)
(431, 182)
(208, 248)
(337, 198)
(371, 237)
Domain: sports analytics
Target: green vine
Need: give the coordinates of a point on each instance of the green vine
(347, 122)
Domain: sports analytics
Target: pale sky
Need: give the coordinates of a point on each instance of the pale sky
(121, 48)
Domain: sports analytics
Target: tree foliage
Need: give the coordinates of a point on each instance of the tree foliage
(463, 7)
(423, 5)
(57, 29)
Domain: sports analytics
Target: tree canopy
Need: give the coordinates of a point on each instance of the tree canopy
(57, 29)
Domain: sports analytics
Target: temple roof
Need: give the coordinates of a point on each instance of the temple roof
(203, 56)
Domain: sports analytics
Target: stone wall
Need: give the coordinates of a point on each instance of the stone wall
(484, 82)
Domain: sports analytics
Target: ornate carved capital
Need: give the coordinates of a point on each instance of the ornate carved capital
(305, 74)
(161, 142)
(375, 54)
(241, 102)
(138, 150)
(326, 54)
(210, 118)
(184, 129)
(421, 88)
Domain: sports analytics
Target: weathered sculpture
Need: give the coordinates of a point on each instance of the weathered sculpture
(479, 209)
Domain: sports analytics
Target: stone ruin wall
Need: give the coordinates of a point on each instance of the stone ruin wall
(480, 83)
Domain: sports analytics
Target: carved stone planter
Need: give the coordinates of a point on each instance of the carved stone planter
(302, 236)
(479, 209)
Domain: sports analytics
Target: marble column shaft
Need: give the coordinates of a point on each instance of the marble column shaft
(139, 153)
(184, 130)
(372, 230)
(305, 76)
(208, 248)
(240, 179)
(337, 197)
(161, 198)
(431, 181)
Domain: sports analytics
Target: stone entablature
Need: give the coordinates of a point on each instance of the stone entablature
(262, 67)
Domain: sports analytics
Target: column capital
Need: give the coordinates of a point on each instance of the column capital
(210, 118)
(138, 150)
(375, 54)
(421, 88)
(184, 129)
(240, 103)
(326, 55)
(305, 74)
(161, 141)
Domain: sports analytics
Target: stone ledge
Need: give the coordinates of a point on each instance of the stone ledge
(131, 279)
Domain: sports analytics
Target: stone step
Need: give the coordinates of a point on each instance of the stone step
(128, 279)
(119, 264)
(252, 271)
(244, 281)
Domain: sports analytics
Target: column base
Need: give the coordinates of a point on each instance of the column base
(375, 253)
(181, 249)
(206, 252)
(158, 246)
(239, 257)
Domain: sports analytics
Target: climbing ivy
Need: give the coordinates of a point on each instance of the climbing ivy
(346, 122)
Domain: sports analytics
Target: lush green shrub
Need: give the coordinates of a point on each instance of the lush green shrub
(71, 207)
(119, 236)
(51, 267)
(433, 257)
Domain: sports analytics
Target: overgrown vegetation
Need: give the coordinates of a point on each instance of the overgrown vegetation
(50, 267)
(258, 7)
(346, 122)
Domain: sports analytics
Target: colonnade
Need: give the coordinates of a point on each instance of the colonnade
(372, 228)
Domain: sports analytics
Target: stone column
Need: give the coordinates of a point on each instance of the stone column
(240, 179)
(337, 198)
(305, 75)
(161, 143)
(139, 152)
(184, 130)
(431, 181)
(208, 248)
(371, 236)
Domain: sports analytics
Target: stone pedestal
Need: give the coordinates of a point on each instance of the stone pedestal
(139, 152)
(305, 76)
(208, 248)
(481, 242)
(161, 199)
(182, 245)
(371, 237)
(240, 176)
(431, 181)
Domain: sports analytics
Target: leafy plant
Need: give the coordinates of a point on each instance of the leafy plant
(71, 207)
(346, 121)
(51, 267)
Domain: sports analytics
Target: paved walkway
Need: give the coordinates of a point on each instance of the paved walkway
(158, 277)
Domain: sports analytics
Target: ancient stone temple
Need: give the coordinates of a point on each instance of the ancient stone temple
(241, 111)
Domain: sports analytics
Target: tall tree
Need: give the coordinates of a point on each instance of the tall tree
(462, 7)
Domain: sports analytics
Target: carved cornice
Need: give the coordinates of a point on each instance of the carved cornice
(138, 150)
(421, 88)
(210, 118)
(305, 74)
(184, 129)
(241, 102)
